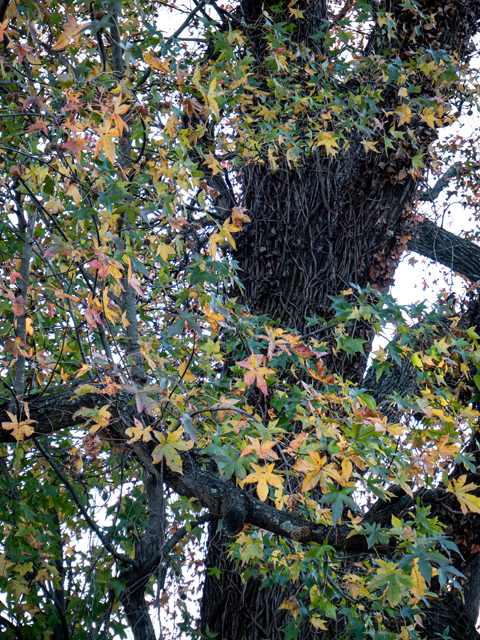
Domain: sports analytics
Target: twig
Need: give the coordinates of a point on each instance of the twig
(227, 408)
(76, 499)
(181, 28)
(10, 625)
(98, 35)
(7, 475)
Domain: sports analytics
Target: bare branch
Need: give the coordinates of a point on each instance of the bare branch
(345, 9)
(3, 9)
(431, 194)
(436, 243)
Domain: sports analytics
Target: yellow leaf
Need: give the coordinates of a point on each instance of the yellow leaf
(105, 141)
(171, 126)
(291, 604)
(263, 451)
(263, 476)
(328, 140)
(418, 619)
(185, 373)
(71, 30)
(211, 95)
(428, 117)
(75, 193)
(404, 113)
(317, 471)
(4, 565)
(228, 229)
(419, 585)
(369, 145)
(138, 431)
(212, 245)
(318, 622)
(19, 430)
(169, 448)
(156, 63)
(468, 502)
(213, 317)
(83, 369)
(75, 461)
(239, 216)
(165, 250)
(213, 163)
(29, 327)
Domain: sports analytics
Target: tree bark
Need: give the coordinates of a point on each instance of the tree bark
(442, 246)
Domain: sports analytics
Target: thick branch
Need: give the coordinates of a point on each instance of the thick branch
(458, 254)
(431, 194)
(128, 301)
(220, 497)
(21, 329)
(133, 597)
(137, 575)
(55, 411)
(212, 492)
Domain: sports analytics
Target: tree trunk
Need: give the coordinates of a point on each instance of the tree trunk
(315, 230)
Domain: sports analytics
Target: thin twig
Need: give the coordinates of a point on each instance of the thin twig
(227, 408)
(181, 28)
(118, 556)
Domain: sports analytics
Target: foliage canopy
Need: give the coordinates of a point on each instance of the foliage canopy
(148, 386)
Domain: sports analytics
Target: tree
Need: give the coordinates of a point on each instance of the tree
(199, 232)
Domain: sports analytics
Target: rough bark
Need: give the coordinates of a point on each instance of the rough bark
(442, 246)
(315, 229)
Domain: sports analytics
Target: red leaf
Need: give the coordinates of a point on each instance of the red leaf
(19, 306)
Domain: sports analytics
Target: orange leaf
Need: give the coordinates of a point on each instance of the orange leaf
(71, 30)
(256, 371)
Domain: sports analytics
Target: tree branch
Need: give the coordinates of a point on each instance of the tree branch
(21, 330)
(436, 243)
(133, 597)
(3, 9)
(128, 302)
(149, 567)
(10, 625)
(431, 194)
(7, 475)
(210, 490)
